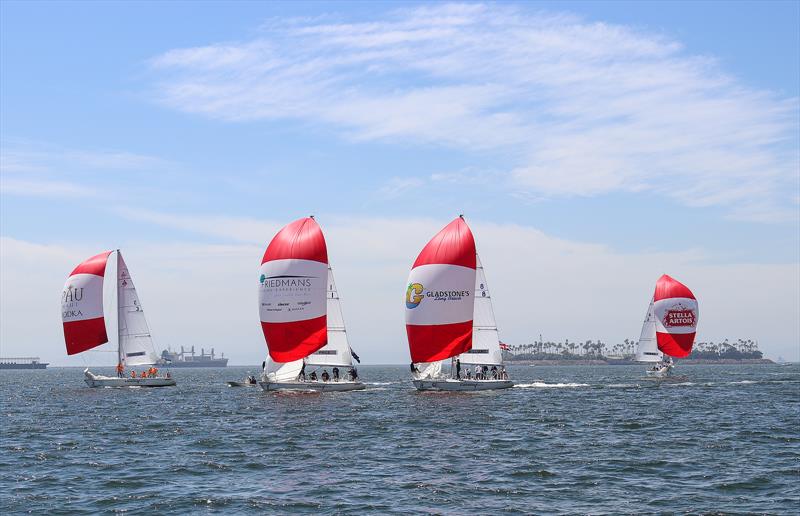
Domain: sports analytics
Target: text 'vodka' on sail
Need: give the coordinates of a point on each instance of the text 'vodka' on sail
(84, 321)
(440, 299)
(301, 315)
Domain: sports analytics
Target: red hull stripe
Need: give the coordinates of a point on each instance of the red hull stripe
(453, 245)
(300, 240)
(678, 345)
(667, 287)
(95, 265)
(82, 335)
(429, 343)
(288, 341)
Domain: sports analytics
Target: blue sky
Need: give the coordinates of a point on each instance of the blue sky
(641, 129)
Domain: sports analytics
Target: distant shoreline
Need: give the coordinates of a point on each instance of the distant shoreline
(600, 362)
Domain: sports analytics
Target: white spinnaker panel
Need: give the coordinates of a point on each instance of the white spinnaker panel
(485, 338)
(428, 370)
(337, 351)
(135, 344)
(647, 348)
(283, 372)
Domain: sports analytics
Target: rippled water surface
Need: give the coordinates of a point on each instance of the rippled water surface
(564, 440)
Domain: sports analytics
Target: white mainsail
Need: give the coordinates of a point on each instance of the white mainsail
(647, 348)
(337, 351)
(135, 343)
(485, 338)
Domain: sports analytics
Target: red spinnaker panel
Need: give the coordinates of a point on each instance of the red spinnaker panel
(440, 295)
(293, 281)
(300, 240)
(453, 245)
(433, 342)
(676, 312)
(82, 305)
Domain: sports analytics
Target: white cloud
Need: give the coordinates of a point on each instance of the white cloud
(399, 185)
(44, 188)
(38, 170)
(205, 295)
(574, 107)
(229, 228)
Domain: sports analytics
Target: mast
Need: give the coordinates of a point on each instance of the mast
(116, 290)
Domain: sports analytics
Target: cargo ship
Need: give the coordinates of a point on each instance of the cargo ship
(22, 363)
(183, 358)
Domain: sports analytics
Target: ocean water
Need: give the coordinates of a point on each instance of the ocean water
(593, 440)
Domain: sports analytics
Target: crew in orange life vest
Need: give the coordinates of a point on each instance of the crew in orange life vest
(144, 374)
(120, 369)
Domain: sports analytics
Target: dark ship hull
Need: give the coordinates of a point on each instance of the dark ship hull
(183, 358)
(217, 362)
(11, 364)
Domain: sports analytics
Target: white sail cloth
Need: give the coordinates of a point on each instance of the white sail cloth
(428, 370)
(485, 337)
(647, 347)
(282, 372)
(336, 353)
(135, 343)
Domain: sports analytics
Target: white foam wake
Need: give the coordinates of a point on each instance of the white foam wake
(543, 385)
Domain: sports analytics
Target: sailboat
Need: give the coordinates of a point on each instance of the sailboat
(85, 326)
(449, 315)
(669, 327)
(301, 315)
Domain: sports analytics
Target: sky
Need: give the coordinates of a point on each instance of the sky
(591, 146)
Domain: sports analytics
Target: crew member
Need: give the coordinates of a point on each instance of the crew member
(120, 369)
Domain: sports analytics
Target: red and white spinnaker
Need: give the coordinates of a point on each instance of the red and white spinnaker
(676, 314)
(440, 295)
(82, 305)
(292, 291)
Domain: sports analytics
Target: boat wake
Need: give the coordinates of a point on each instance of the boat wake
(544, 385)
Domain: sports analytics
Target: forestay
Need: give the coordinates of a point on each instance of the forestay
(646, 348)
(337, 351)
(485, 337)
(135, 343)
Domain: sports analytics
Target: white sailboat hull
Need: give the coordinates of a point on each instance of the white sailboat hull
(94, 380)
(312, 386)
(462, 385)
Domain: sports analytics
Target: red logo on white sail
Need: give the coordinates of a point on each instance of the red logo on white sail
(676, 314)
(679, 316)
